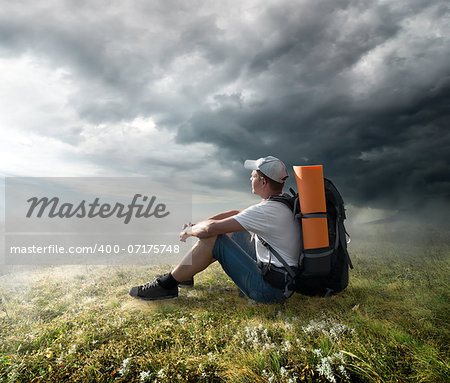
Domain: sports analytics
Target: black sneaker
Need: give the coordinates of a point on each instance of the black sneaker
(183, 284)
(152, 291)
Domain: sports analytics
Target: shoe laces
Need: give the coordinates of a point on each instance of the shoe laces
(150, 285)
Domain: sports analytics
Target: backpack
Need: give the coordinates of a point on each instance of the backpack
(322, 271)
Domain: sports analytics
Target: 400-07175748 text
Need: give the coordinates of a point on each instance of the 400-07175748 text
(97, 249)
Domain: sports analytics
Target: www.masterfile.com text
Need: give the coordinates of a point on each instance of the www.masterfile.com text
(97, 249)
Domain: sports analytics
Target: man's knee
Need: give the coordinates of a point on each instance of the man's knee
(205, 243)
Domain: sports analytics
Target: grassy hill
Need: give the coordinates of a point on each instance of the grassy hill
(78, 324)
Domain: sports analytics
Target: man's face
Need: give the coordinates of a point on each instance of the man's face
(257, 182)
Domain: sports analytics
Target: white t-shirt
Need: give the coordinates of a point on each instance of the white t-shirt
(275, 223)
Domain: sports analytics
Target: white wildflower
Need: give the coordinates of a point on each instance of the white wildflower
(339, 356)
(257, 337)
(343, 372)
(288, 326)
(145, 376)
(269, 346)
(270, 376)
(287, 346)
(334, 331)
(211, 357)
(124, 369)
(329, 364)
(161, 373)
(73, 349)
(325, 369)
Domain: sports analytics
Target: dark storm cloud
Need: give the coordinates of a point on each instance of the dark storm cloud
(359, 86)
(386, 145)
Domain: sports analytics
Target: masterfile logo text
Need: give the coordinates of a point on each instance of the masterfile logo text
(95, 220)
(95, 209)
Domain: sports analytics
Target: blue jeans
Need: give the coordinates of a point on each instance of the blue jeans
(237, 256)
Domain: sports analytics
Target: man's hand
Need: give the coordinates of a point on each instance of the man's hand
(199, 230)
(210, 228)
(186, 231)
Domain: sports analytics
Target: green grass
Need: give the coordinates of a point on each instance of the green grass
(78, 324)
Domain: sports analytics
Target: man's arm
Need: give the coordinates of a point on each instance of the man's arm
(225, 214)
(211, 228)
(216, 217)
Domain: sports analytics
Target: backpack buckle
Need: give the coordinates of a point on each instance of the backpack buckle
(264, 267)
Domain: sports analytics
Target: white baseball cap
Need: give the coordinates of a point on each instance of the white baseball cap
(270, 166)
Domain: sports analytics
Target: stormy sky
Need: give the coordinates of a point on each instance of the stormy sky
(130, 88)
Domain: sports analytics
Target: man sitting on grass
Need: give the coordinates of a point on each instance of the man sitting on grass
(242, 255)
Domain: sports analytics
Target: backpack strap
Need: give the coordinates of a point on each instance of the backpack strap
(345, 248)
(278, 256)
(340, 217)
(292, 202)
(341, 239)
(287, 292)
(314, 215)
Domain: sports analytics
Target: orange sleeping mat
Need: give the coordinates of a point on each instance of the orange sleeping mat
(311, 191)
